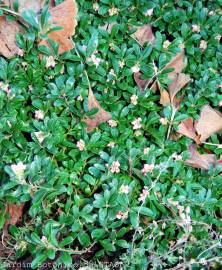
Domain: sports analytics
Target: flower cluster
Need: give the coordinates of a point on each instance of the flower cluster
(19, 171)
(81, 145)
(115, 167)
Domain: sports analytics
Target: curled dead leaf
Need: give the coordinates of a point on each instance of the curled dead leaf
(210, 122)
(8, 31)
(144, 34)
(100, 117)
(200, 161)
(63, 15)
(15, 212)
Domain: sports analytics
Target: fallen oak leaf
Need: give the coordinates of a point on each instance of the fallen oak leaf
(200, 161)
(63, 15)
(100, 117)
(144, 34)
(187, 129)
(210, 122)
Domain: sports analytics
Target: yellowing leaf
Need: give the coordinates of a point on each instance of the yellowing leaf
(100, 117)
(8, 30)
(200, 161)
(210, 122)
(63, 15)
(144, 34)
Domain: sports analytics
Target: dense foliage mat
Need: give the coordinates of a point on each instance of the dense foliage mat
(122, 192)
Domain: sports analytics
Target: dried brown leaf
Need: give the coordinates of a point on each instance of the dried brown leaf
(8, 31)
(15, 211)
(164, 98)
(177, 63)
(210, 122)
(143, 84)
(200, 161)
(63, 15)
(179, 82)
(187, 129)
(100, 117)
(34, 5)
(144, 34)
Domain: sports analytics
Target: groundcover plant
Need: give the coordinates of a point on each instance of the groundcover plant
(110, 134)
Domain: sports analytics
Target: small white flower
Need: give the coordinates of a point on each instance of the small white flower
(203, 45)
(166, 44)
(181, 46)
(111, 144)
(18, 170)
(138, 133)
(144, 194)
(4, 87)
(40, 136)
(111, 46)
(96, 61)
(135, 68)
(112, 123)
(146, 150)
(81, 145)
(137, 123)
(163, 121)
(50, 62)
(218, 37)
(195, 28)
(149, 12)
(96, 6)
(211, 13)
(44, 239)
(121, 215)
(115, 167)
(80, 98)
(113, 11)
(147, 168)
(124, 189)
(121, 64)
(39, 115)
(134, 99)
(176, 157)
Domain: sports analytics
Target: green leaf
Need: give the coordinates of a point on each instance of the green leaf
(39, 259)
(31, 17)
(106, 243)
(98, 233)
(92, 44)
